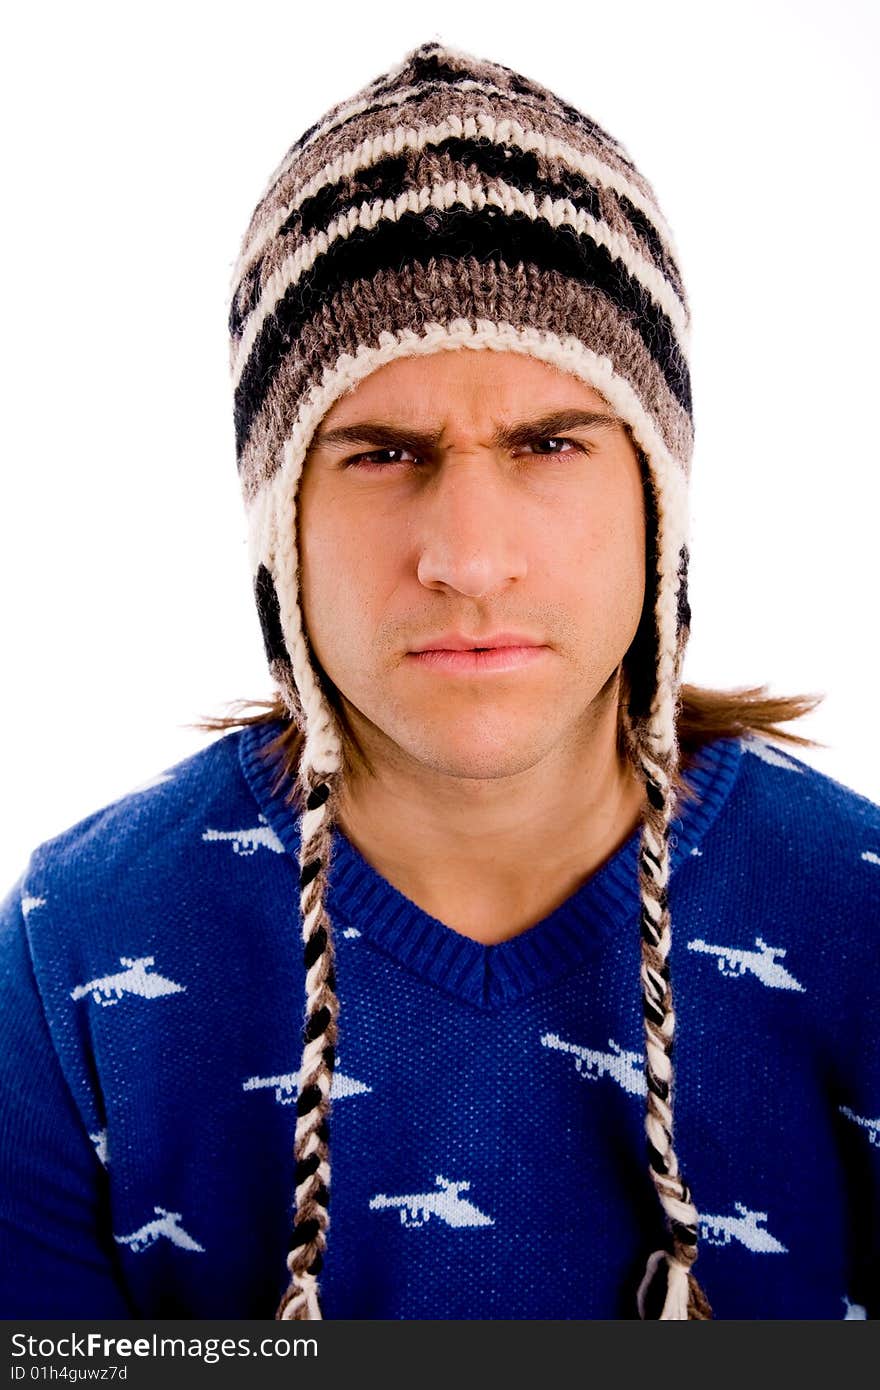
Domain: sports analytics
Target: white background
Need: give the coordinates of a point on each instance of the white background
(138, 140)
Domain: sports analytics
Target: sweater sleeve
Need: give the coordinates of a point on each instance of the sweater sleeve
(57, 1257)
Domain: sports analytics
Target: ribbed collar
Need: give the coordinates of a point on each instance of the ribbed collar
(362, 901)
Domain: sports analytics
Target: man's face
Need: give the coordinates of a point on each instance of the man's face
(429, 521)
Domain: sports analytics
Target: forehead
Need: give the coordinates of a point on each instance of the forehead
(466, 384)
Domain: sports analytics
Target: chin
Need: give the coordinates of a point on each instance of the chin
(483, 754)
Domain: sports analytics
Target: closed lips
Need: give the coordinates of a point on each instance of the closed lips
(454, 642)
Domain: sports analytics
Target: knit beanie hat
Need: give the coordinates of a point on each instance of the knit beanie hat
(453, 203)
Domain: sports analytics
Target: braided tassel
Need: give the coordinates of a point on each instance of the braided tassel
(683, 1299)
(311, 1147)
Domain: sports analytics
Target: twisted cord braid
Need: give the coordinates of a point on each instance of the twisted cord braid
(655, 747)
(319, 771)
(684, 1299)
(311, 1145)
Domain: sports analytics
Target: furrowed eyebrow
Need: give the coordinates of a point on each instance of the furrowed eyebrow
(384, 436)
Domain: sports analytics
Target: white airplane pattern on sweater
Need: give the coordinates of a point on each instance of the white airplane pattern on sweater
(870, 857)
(768, 754)
(135, 979)
(853, 1310)
(157, 781)
(249, 841)
(746, 1228)
(28, 904)
(287, 1082)
(100, 1142)
(872, 1126)
(166, 1225)
(762, 962)
(417, 1208)
(626, 1068)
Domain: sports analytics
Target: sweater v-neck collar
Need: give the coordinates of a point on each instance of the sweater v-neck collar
(363, 903)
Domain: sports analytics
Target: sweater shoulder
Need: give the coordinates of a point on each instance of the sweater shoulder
(800, 847)
(146, 834)
(784, 789)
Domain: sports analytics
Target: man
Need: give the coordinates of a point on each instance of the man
(481, 797)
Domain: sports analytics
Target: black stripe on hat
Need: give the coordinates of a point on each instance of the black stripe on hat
(644, 227)
(488, 235)
(269, 611)
(388, 177)
(427, 69)
(432, 82)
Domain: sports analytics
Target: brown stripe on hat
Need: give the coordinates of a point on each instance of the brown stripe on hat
(469, 205)
(421, 112)
(524, 295)
(624, 218)
(428, 106)
(446, 235)
(475, 163)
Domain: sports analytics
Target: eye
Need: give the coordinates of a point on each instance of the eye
(374, 460)
(559, 439)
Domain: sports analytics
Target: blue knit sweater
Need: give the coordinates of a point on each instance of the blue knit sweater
(487, 1126)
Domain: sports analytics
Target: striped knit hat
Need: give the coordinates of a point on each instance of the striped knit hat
(453, 203)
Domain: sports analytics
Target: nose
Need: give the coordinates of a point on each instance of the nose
(470, 528)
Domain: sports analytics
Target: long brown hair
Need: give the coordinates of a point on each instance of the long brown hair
(704, 716)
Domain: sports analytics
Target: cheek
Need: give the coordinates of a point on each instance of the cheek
(601, 582)
(344, 569)
(597, 558)
(319, 562)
